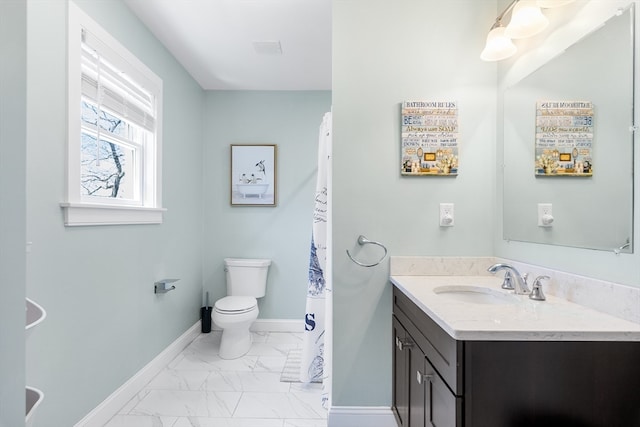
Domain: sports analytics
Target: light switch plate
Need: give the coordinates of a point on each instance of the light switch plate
(446, 215)
(545, 213)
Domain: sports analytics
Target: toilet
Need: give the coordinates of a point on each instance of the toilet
(235, 313)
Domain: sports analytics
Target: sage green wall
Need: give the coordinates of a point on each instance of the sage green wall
(384, 53)
(290, 119)
(13, 40)
(104, 321)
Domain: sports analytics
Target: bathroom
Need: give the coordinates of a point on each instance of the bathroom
(105, 323)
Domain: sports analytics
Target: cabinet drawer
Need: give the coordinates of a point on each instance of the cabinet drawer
(443, 352)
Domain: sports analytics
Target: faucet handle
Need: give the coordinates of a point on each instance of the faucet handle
(525, 285)
(536, 292)
(507, 283)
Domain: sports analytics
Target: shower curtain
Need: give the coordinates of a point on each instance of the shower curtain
(315, 361)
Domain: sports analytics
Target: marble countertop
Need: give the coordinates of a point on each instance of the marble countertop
(555, 319)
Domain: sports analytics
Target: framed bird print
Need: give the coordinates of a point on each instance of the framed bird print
(253, 175)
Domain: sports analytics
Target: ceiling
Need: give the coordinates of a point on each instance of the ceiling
(233, 44)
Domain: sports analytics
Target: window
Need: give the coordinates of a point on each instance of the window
(115, 117)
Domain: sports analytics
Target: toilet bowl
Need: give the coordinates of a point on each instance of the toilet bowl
(235, 313)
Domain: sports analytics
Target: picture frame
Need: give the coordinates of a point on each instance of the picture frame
(253, 175)
(564, 138)
(430, 138)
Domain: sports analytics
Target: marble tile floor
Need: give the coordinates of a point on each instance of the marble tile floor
(199, 389)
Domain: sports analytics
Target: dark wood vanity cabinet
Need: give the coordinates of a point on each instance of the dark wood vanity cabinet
(422, 397)
(442, 382)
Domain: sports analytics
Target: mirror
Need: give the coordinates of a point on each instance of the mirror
(594, 212)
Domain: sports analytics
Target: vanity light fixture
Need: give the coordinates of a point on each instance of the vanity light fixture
(526, 20)
(498, 46)
(549, 4)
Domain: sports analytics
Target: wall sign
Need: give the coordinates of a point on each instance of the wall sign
(429, 138)
(564, 138)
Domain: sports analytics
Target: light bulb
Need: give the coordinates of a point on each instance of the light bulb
(498, 46)
(547, 4)
(526, 20)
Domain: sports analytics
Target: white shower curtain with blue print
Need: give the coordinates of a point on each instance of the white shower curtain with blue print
(314, 354)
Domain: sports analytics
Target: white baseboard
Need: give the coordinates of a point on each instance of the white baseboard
(359, 416)
(278, 325)
(101, 414)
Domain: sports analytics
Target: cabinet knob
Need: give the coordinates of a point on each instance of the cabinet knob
(420, 377)
(403, 343)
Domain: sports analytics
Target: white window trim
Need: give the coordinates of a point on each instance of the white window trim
(76, 214)
(76, 211)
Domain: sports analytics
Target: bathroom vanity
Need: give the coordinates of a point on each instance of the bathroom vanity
(504, 360)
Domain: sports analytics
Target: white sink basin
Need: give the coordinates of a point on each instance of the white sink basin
(475, 295)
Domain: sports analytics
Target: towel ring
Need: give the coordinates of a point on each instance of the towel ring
(364, 241)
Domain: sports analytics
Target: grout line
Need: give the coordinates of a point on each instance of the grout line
(233, 414)
(201, 350)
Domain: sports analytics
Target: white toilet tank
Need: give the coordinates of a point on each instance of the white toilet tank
(246, 277)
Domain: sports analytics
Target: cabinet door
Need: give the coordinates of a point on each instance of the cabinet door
(441, 407)
(401, 353)
(417, 397)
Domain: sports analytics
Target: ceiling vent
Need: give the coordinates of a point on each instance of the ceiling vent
(267, 47)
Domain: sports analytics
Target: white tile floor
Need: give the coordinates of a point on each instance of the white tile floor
(199, 389)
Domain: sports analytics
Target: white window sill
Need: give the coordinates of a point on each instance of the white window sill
(79, 214)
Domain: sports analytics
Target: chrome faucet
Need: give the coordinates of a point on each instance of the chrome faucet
(519, 281)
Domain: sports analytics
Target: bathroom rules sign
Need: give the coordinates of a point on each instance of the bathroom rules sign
(564, 138)
(430, 138)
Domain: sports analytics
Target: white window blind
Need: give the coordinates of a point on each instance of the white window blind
(110, 82)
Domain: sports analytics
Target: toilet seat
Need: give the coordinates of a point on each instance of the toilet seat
(235, 305)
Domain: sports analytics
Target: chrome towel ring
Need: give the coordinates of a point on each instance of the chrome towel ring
(364, 241)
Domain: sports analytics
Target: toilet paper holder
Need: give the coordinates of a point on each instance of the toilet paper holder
(163, 286)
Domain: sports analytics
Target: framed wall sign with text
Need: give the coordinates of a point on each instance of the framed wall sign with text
(430, 138)
(564, 138)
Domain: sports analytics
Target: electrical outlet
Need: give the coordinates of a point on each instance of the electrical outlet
(545, 215)
(446, 214)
